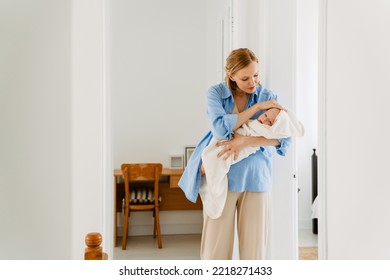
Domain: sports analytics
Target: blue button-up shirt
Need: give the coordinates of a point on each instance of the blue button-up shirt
(250, 174)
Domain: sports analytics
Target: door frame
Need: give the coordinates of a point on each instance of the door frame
(108, 192)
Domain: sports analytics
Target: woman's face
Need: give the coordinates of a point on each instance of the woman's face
(247, 78)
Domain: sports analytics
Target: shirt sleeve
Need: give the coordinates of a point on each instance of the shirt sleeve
(284, 144)
(221, 122)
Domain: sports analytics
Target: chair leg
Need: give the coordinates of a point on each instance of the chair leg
(125, 229)
(157, 222)
(154, 224)
(154, 228)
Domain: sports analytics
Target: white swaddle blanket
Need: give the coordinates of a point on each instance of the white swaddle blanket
(214, 187)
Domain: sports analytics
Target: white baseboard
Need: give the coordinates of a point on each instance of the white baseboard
(170, 228)
(140, 230)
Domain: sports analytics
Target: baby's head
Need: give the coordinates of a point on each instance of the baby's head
(269, 116)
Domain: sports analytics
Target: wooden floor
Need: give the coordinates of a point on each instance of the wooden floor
(308, 243)
(308, 253)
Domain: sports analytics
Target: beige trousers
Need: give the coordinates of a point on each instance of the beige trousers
(252, 228)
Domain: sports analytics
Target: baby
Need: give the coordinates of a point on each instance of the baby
(272, 124)
(267, 118)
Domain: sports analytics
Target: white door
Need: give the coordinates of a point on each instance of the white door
(268, 29)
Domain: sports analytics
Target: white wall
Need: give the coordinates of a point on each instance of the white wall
(159, 53)
(53, 146)
(158, 77)
(91, 150)
(35, 125)
(355, 73)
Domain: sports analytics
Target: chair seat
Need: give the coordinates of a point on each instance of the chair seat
(142, 196)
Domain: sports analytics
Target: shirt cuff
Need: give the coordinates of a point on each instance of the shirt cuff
(284, 144)
(224, 130)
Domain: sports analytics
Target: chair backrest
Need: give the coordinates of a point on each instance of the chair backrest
(141, 172)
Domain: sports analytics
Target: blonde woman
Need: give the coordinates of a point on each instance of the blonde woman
(229, 105)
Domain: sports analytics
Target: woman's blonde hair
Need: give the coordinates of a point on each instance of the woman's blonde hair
(237, 59)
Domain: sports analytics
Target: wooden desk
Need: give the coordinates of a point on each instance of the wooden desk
(173, 197)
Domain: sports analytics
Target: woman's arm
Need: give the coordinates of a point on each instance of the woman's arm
(239, 142)
(244, 116)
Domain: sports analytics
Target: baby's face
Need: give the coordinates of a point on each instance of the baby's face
(269, 116)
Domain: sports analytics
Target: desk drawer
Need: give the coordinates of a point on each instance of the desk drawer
(174, 180)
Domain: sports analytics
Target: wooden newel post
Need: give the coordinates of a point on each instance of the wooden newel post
(94, 251)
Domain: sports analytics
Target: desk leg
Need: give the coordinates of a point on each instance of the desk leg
(115, 215)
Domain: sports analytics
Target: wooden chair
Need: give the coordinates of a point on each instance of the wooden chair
(142, 194)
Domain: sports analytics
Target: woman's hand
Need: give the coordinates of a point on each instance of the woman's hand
(234, 146)
(265, 105)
